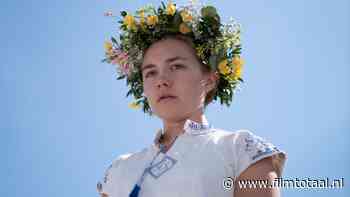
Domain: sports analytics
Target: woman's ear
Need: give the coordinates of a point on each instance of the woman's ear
(211, 81)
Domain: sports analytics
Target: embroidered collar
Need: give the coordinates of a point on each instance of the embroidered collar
(191, 128)
(194, 128)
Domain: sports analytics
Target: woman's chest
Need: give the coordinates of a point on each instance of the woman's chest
(196, 172)
(192, 169)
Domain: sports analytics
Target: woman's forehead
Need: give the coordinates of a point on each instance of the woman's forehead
(169, 50)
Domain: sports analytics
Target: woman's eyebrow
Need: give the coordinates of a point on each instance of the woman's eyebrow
(148, 66)
(175, 58)
(169, 60)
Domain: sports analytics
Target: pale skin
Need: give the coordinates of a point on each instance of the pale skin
(171, 68)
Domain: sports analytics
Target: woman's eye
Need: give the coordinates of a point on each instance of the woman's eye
(176, 66)
(150, 74)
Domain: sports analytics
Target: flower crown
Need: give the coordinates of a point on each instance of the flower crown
(217, 45)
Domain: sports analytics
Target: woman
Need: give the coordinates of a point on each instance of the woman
(175, 78)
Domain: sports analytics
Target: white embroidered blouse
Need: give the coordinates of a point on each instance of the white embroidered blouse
(196, 165)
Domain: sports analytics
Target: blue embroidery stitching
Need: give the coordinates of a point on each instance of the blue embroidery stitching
(196, 126)
(105, 178)
(161, 167)
(260, 145)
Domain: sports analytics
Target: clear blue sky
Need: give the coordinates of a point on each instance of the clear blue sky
(64, 116)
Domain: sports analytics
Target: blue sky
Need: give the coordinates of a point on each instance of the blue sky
(64, 116)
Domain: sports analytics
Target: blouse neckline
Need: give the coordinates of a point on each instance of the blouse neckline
(191, 128)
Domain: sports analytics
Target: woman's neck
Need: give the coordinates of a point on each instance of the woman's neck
(173, 128)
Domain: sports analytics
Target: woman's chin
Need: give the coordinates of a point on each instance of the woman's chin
(169, 112)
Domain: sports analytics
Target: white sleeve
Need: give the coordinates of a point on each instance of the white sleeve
(107, 187)
(104, 187)
(250, 148)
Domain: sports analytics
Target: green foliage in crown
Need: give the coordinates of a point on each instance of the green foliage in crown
(217, 45)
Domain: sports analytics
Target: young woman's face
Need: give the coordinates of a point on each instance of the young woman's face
(173, 81)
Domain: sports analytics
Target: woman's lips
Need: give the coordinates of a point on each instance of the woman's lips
(166, 98)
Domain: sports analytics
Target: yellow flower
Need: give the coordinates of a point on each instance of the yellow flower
(223, 67)
(237, 72)
(184, 28)
(170, 9)
(186, 16)
(200, 51)
(108, 46)
(152, 20)
(129, 21)
(237, 61)
(134, 105)
(142, 17)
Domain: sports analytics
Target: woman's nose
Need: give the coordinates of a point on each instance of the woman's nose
(164, 80)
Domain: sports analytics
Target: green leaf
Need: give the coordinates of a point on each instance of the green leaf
(123, 13)
(237, 50)
(163, 5)
(213, 61)
(121, 77)
(208, 11)
(114, 40)
(222, 53)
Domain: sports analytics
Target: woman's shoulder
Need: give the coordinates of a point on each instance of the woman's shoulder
(235, 135)
(243, 139)
(224, 132)
(244, 148)
(117, 167)
(129, 157)
(117, 161)
(230, 141)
